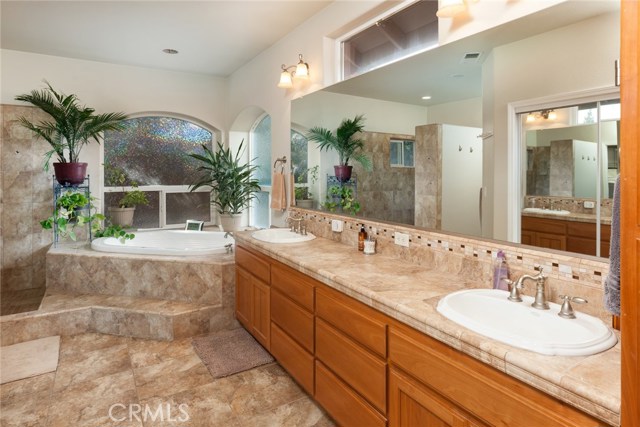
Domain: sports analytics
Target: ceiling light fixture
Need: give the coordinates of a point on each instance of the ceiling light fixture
(450, 8)
(301, 72)
(427, 97)
(170, 51)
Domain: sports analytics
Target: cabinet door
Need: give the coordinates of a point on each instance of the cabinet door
(244, 291)
(551, 241)
(527, 237)
(411, 404)
(261, 316)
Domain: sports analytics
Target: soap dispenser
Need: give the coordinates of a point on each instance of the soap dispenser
(362, 236)
(500, 272)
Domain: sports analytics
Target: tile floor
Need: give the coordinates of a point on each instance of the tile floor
(20, 301)
(98, 372)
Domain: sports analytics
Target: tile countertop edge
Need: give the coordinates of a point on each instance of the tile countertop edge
(429, 321)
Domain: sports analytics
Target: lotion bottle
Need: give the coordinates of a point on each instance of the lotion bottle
(362, 236)
(500, 272)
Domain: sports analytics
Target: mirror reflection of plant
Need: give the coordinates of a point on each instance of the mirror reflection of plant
(343, 141)
(302, 192)
(118, 177)
(345, 199)
(229, 178)
(68, 215)
(114, 231)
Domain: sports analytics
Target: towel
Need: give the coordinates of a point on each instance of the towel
(278, 191)
(612, 282)
(292, 190)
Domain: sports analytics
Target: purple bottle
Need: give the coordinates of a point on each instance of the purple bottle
(500, 272)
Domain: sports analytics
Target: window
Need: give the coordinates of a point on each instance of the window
(260, 155)
(401, 153)
(299, 156)
(392, 37)
(153, 154)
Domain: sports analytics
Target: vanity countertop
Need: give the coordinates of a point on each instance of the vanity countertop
(409, 293)
(576, 217)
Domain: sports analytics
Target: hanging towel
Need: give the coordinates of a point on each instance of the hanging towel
(278, 191)
(292, 190)
(612, 282)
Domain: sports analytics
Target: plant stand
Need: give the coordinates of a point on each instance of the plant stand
(333, 181)
(59, 190)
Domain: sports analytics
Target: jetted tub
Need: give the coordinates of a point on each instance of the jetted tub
(167, 242)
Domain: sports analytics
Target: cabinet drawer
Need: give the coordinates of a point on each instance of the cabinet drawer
(581, 229)
(292, 357)
(356, 320)
(293, 284)
(253, 263)
(293, 319)
(490, 395)
(359, 368)
(344, 405)
(551, 226)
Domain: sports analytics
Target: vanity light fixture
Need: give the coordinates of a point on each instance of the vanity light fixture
(545, 114)
(299, 71)
(450, 8)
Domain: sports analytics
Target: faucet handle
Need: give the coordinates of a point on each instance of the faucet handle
(566, 310)
(514, 288)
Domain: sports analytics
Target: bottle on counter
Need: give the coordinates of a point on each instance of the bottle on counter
(500, 272)
(362, 236)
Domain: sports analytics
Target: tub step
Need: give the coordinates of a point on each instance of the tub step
(67, 314)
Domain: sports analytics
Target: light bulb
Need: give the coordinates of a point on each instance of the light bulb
(285, 80)
(530, 118)
(552, 115)
(450, 8)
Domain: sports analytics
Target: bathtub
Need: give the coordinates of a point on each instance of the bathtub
(167, 242)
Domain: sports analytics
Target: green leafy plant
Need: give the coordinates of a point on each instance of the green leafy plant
(70, 126)
(230, 179)
(114, 231)
(344, 141)
(70, 213)
(341, 197)
(117, 177)
(302, 192)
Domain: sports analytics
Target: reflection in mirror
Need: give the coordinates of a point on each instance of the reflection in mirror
(571, 166)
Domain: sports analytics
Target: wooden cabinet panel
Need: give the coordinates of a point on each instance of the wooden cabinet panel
(363, 371)
(293, 319)
(363, 324)
(490, 395)
(344, 405)
(411, 404)
(581, 245)
(293, 284)
(261, 318)
(527, 237)
(550, 241)
(254, 263)
(244, 290)
(551, 226)
(292, 357)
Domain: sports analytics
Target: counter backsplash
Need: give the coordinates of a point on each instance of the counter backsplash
(473, 258)
(571, 204)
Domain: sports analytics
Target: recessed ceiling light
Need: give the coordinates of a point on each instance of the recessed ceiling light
(426, 97)
(170, 51)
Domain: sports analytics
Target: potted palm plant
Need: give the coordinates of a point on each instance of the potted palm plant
(122, 214)
(230, 180)
(68, 129)
(345, 143)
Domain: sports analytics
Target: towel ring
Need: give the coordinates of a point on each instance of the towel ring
(282, 160)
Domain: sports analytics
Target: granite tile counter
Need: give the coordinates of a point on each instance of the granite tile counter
(572, 216)
(409, 293)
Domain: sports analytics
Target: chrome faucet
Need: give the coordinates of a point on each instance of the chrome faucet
(540, 300)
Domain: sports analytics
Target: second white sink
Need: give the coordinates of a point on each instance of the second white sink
(489, 313)
(281, 235)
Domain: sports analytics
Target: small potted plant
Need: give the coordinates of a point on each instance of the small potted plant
(73, 209)
(122, 215)
(230, 180)
(341, 197)
(303, 195)
(345, 143)
(69, 128)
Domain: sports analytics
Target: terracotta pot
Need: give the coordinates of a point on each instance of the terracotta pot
(230, 222)
(121, 216)
(70, 173)
(343, 173)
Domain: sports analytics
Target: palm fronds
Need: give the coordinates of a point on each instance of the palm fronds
(343, 141)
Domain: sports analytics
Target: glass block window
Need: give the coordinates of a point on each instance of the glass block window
(259, 210)
(401, 153)
(299, 156)
(260, 149)
(407, 32)
(153, 152)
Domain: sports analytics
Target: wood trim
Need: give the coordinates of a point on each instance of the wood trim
(630, 214)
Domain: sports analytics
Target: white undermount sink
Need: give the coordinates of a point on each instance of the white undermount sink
(488, 312)
(546, 211)
(281, 235)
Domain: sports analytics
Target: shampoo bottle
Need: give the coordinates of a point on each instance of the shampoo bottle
(362, 236)
(500, 272)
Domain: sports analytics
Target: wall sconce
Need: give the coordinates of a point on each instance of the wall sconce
(301, 72)
(545, 114)
(450, 8)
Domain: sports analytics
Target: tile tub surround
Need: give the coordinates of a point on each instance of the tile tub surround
(409, 292)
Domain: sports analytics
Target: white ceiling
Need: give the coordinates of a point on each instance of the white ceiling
(213, 37)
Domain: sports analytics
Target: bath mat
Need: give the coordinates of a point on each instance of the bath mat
(229, 352)
(29, 359)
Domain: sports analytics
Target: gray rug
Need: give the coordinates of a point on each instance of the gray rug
(229, 352)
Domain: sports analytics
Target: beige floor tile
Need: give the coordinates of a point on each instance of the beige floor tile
(41, 383)
(91, 365)
(301, 413)
(73, 346)
(27, 410)
(171, 376)
(148, 352)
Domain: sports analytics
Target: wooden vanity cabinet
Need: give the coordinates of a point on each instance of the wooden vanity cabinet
(572, 236)
(253, 294)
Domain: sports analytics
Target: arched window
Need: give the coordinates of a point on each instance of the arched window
(153, 152)
(260, 155)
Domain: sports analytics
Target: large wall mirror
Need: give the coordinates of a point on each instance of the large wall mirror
(440, 110)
